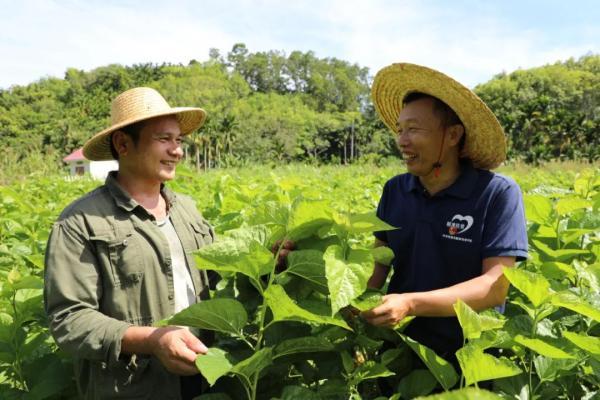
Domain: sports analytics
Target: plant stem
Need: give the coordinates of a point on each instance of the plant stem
(261, 324)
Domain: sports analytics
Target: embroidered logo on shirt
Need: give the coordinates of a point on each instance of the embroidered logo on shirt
(457, 225)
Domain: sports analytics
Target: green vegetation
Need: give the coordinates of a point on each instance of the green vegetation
(273, 108)
(291, 334)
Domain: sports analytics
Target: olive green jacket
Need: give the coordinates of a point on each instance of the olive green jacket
(108, 267)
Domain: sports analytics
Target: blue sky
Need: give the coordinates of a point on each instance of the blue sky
(467, 39)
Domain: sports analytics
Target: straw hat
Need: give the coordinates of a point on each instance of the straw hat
(135, 105)
(485, 143)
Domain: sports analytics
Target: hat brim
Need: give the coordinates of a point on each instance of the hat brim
(97, 148)
(485, 142)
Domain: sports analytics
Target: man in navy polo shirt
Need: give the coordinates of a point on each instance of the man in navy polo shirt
(458, 223)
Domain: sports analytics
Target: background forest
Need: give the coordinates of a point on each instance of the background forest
(272, 107)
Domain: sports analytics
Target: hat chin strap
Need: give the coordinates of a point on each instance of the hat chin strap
(437, 166)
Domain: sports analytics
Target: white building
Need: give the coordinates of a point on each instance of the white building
(79, 165)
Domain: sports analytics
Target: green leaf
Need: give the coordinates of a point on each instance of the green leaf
(473, 324)
(236, 255)
(254, 364)
(307, 344)
(383, 255)
(557, 255)
(419, 382)
(309, 265)
(346, 276)
(371, 298)
(534, 286)
(441, 369)
(298, 393)
(214, 364)
(591, 344)
(571, 302)
(541, 347)
(464, 394)
(537, 208)
(363, 223)
(548, 369)
(557, 270)
(478, 366)
(307, 218)
(369, 370)
(567, 205)
(221, 315)
(284, 309)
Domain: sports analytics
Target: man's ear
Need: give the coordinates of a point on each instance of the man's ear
(121, 142)
(455, 133)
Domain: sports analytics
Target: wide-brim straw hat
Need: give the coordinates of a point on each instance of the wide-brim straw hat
(485, 142)
(135, 105)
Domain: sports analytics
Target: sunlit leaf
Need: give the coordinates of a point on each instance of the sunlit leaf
(542, 347)
(347, 275)
(221, 315)
(478, 366)
(534, 286)
(284, 308)
(441, 369)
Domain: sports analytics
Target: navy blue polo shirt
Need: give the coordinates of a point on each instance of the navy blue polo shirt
(444, 238)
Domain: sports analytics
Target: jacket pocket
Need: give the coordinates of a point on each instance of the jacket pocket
(202, 234)
(125, 257)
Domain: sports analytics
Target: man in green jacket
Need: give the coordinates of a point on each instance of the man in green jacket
(119, 259)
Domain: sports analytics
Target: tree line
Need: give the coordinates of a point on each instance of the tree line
(273, 107)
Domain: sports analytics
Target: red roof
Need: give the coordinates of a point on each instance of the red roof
(77, 155)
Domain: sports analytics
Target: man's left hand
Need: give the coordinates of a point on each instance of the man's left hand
(394, 308)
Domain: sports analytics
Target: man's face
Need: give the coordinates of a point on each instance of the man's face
(157, 152)
(419, 136)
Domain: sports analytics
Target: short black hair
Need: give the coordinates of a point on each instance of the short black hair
(447, 115)
(133, 131)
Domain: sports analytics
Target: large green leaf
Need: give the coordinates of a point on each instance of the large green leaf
(309, 265)
(549, 369)
(369, 370)
(534, 286)
(419, 382)
(217, 363)
(221, 315)
(346, 276)
(383, 255)
(214, 364)
(571, 302)
(441, 369)
(473, 324)
(254, 364)
(284, 309)
(567, 205)
(306, 218)
(464, 394)
(361, 223)
(542, 347)
(591, 344)
(236, 255)
(538, 208)
(556, 255)
(478, 366)
(306, 344)
(371, 298)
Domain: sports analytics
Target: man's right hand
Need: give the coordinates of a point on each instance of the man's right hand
(175, 347)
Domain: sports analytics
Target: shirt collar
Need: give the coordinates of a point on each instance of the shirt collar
(461, 188)
(125, 201)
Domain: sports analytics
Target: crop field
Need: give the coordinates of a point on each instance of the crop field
(295, 333)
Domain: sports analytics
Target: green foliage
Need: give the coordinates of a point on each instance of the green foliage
(294, 333)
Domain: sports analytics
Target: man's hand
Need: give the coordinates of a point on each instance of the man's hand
(177, 349)
(286, 248)
(394, 308)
